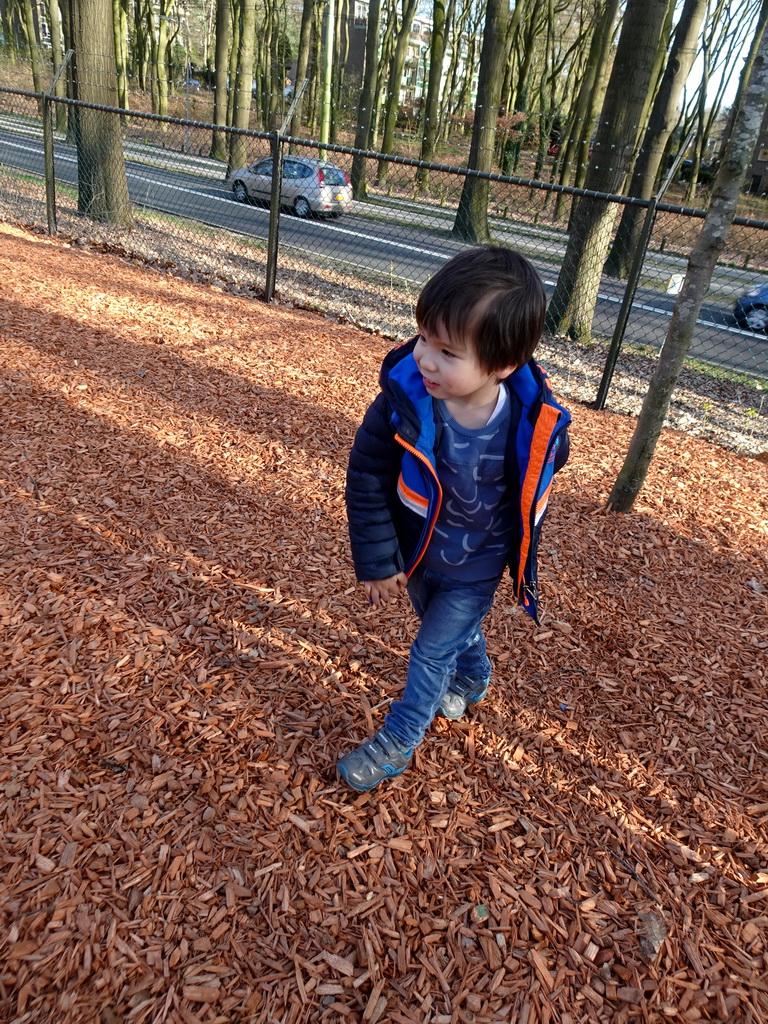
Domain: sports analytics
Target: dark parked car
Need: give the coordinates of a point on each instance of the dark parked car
(706, 175)
(751, 310)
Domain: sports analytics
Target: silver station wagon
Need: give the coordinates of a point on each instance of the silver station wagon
(309, 186)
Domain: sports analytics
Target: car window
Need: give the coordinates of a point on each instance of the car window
(334, 175)
(291, 170)
(305, 171)
(265, 167)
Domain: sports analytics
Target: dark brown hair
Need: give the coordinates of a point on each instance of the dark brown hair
(491, 296)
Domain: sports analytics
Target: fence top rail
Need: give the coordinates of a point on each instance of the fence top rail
(469, 172)
(140, 114)
(22, 92)
(331, 147)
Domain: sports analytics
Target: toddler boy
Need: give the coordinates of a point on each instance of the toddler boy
(448, 483)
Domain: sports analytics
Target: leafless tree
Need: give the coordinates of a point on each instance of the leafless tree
(708, 247)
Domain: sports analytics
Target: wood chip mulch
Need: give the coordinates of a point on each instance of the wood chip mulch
(184, 654)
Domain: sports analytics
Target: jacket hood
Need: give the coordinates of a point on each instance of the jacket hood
(401, 382)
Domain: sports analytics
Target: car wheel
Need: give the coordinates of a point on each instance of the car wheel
(240, 191)
(301, 207)
(756, 319)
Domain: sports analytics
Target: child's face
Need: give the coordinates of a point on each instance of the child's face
(450, 369)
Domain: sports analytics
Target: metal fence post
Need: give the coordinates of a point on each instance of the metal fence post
(48, 157)
(276, 143)
(634, 276)
(626, 304)
(48, 162)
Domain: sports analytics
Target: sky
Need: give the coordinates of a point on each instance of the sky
(732, 73)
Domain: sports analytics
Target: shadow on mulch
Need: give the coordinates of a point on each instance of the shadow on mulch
(224, 396)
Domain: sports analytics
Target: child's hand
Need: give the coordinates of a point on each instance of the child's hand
(379, 592)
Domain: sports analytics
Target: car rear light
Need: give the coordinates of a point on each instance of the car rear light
(320, 176)
(346, 177)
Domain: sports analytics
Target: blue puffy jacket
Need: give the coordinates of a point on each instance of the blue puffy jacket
(393, 494)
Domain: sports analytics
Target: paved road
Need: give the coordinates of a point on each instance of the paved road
(405, 242)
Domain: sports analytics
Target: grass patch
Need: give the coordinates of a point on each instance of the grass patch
(759, 383)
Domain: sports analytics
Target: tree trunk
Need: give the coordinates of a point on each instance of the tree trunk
(5, 26)
(314, 94)
(139, 53)
(302, 62)
(511, 62)
(161, 62)
(365, 106)
(57, 52)
(471, 223)
(546, 95)
(659, 67)
(386, 48)
(708, 247)
(509, 154)
(573, 304)
(595, 101)
(530, 30)
(393, 85)
(328, 26)
(434, 82)
(238, 144)
(102, 185)
(341, 52)
(220, 69)
(152, 63)
(210, 21)
(68, 32)
(720, 46)
(234, 49)
(120, 23)
(579, 127)
(33, 46)
(457, 29)
(264, 74)
(661, 122)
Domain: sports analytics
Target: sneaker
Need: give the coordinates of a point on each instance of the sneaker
(379, 758)
(460, 694)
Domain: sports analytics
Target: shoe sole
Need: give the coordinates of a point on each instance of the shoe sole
(470, 704)
(367, 789)
(453, 718)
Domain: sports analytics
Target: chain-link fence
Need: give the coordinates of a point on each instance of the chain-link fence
(356, 233)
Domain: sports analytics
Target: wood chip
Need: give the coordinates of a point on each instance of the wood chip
(339, 964)
(184, 654)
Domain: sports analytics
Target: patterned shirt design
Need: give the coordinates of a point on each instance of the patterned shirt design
(473, 531)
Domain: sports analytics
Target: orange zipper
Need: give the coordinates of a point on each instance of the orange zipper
(425, 461)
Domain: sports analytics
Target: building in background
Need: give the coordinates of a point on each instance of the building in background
(415, 73)
(756, 181)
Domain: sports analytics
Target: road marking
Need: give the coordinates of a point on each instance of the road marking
(252, 209)
(619, 299)
(397, 245)
(668, 313)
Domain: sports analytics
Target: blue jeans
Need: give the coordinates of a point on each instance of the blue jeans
(450, 642)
